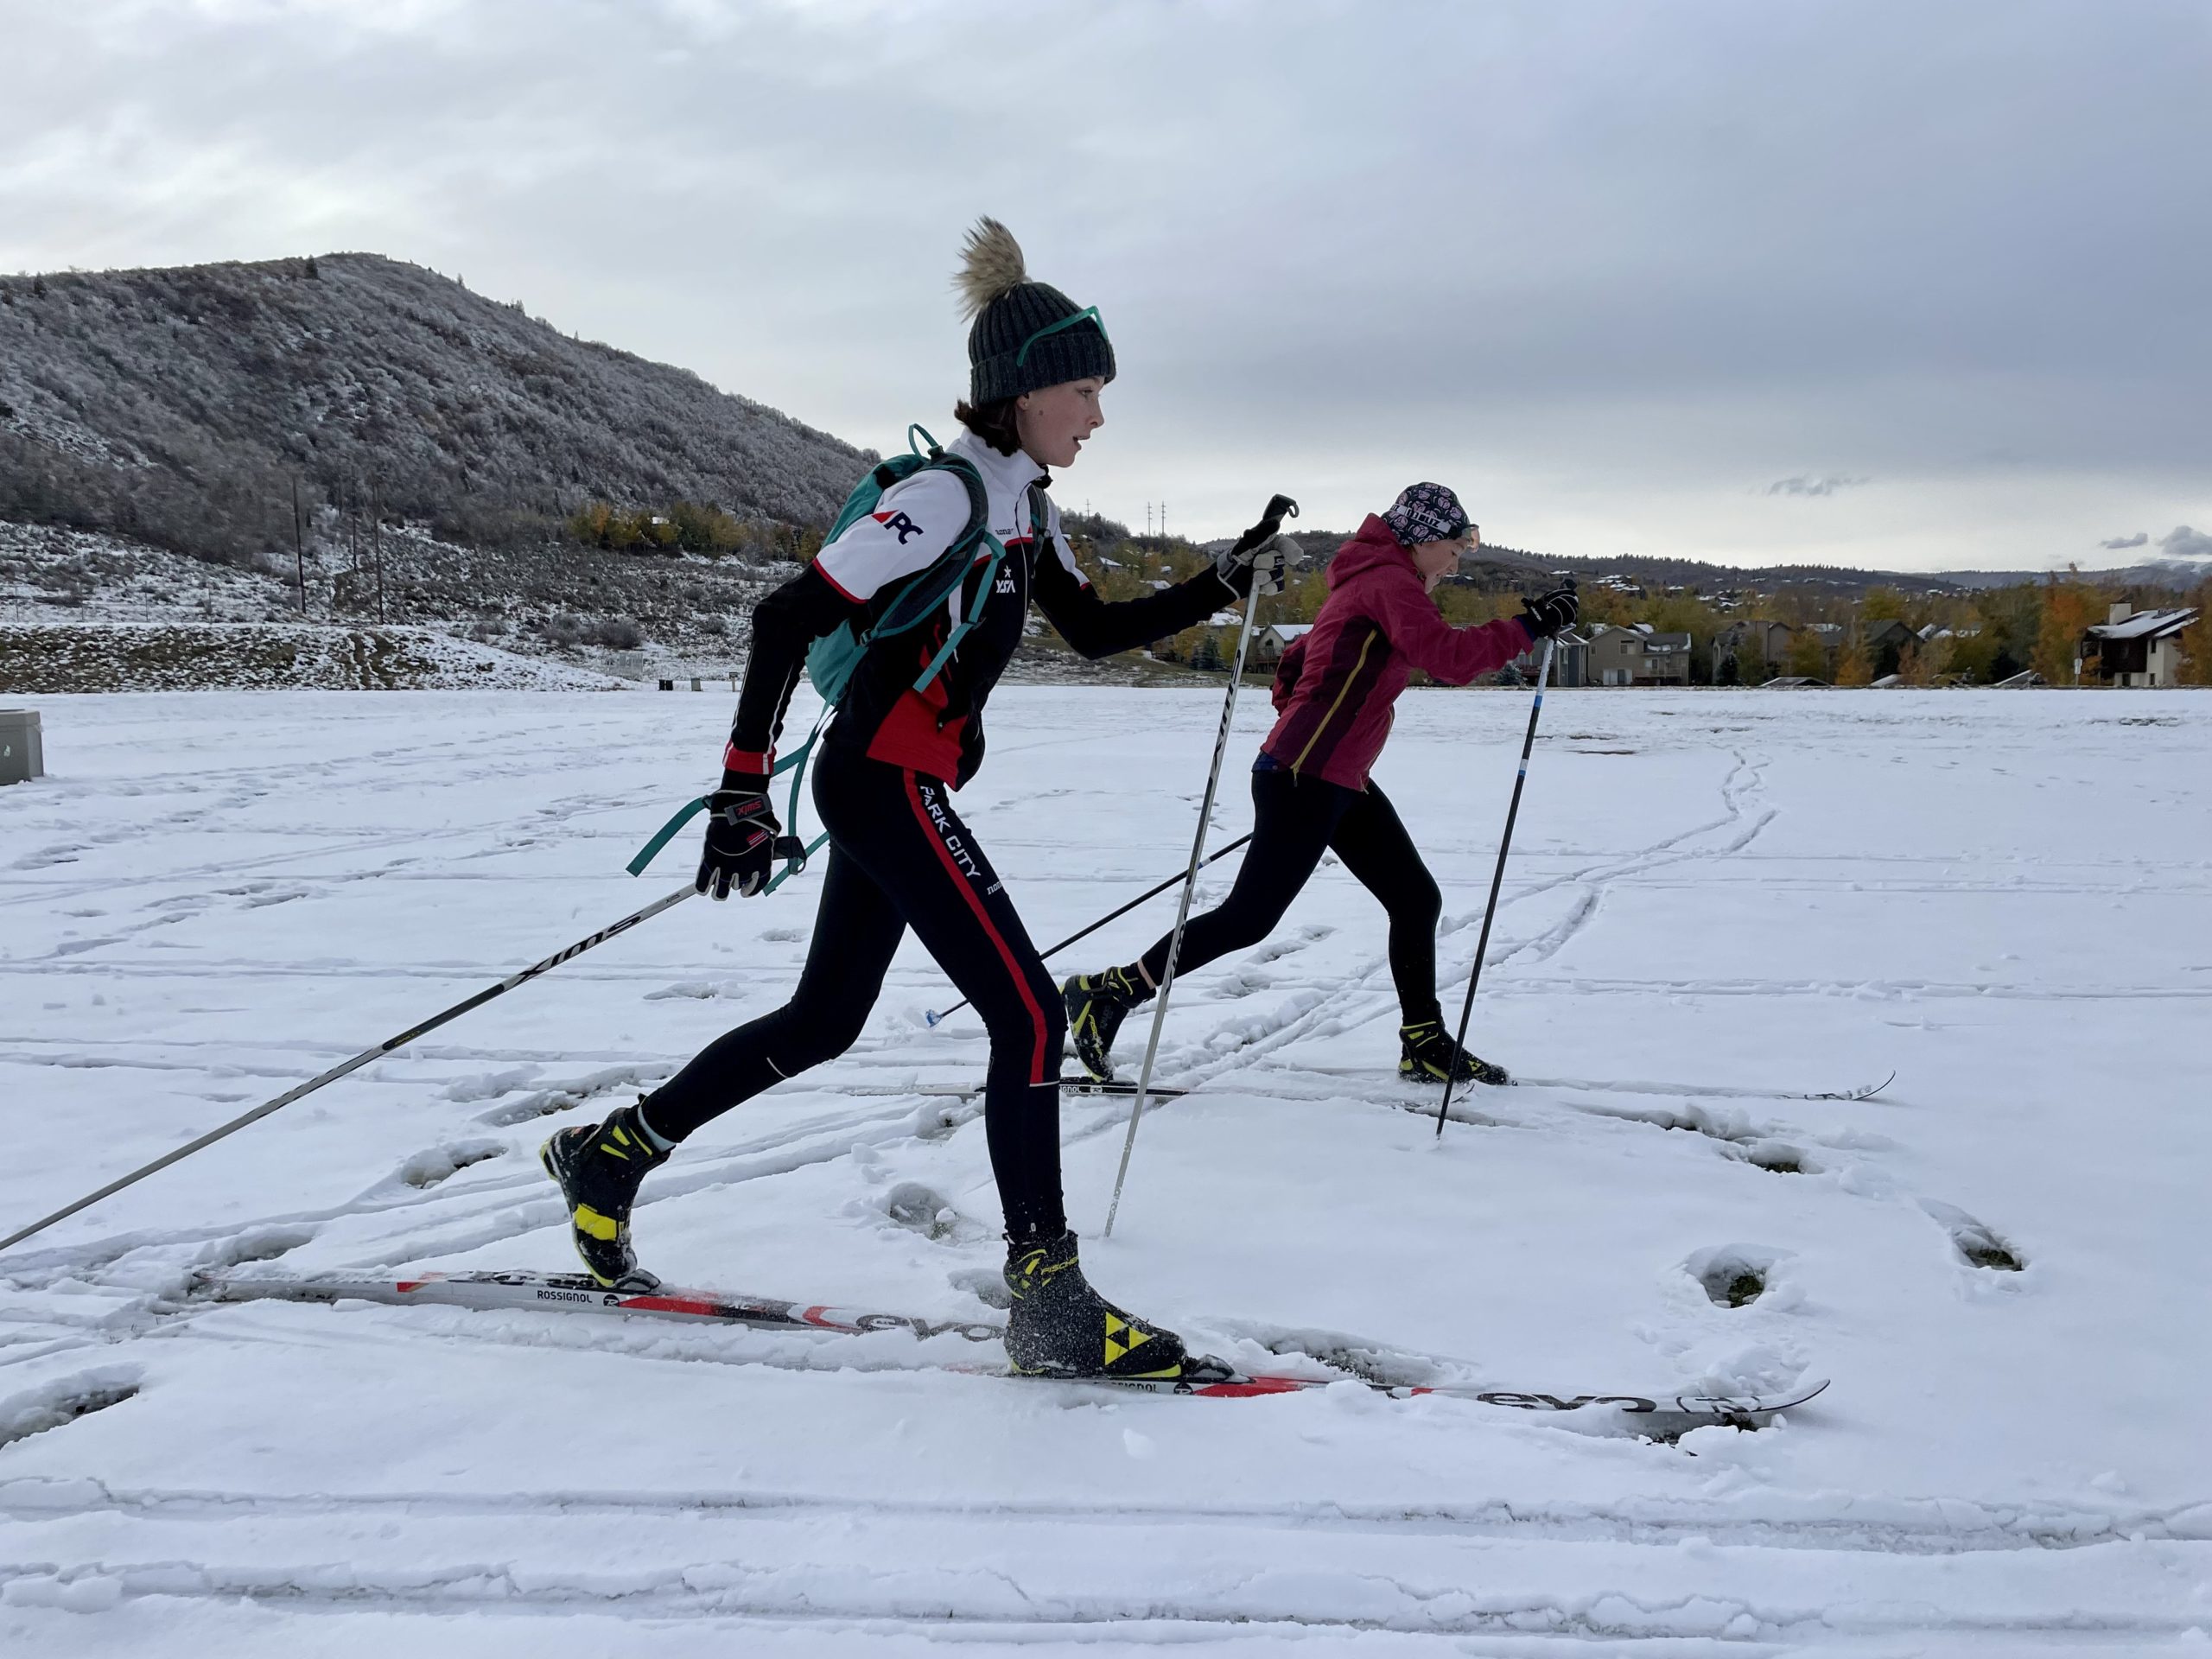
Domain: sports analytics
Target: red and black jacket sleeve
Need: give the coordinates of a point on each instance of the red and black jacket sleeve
(785, 625)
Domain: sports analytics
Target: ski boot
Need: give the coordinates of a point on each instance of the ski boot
(1097, 1003)
(1062, 1327)
(1426, 1055)
(599, 1166)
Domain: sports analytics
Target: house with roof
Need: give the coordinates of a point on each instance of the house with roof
(2133, 647)
(1637, 655)
(1748, 641)
(1887, 641)
(1269, 643)
(1570, 660)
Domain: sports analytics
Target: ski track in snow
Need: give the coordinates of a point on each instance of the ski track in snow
(1779, 1545)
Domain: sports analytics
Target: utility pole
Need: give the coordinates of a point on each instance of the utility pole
(298, 546)
(376, 541)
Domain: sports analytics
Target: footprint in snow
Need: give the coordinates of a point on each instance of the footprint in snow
(915, 1207)
(1977, 1244)
(65, 1400)
(1733, 1275)
(429, 1168)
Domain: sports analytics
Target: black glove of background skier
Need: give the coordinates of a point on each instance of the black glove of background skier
(1547, 614)
(1265, 562)
(741, 834)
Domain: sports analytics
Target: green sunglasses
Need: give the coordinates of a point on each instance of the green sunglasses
(1089, 313)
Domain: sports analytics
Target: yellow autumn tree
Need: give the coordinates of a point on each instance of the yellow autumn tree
(1598, 603)
(1808, 655)
(1883, 605)
(2196, 640)
(2070, 608)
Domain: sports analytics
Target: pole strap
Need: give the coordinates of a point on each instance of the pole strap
(796, 860)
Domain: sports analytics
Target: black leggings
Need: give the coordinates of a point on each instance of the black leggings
(900, 858)
(1296, 821)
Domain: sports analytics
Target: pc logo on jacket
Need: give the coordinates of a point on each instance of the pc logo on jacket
(898, 524)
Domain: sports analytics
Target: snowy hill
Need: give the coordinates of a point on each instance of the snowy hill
(180, 406)
(208, 656)
(1720, 908)
(577, 607)
(578, 614)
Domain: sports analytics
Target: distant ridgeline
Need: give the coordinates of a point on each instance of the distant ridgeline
(181, 407)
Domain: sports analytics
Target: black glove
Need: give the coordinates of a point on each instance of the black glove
(741, 837)
(1547, 614)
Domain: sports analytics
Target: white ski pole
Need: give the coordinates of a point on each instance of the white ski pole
(353, 1065)
(1270, 523)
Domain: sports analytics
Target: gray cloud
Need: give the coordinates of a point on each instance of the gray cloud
(1804, 484)
(1660, 249)
(2119, 541)
(2183, 542)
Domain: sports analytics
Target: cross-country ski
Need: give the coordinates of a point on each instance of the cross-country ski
(1655, 1414)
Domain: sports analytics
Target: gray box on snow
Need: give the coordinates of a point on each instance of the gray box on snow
(23, 750)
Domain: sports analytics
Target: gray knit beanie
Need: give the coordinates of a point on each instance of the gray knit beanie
(1015, 345)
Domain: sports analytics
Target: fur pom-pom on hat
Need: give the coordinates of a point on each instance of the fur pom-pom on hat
(990, 265)
(1024, 334)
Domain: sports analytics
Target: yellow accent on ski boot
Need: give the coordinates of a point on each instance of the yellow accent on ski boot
(599, 1166)
(1062, 1327)
(1097, 1005)
(1426, 1054)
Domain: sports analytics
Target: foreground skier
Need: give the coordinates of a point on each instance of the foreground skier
(1311, 793)
(900, 858)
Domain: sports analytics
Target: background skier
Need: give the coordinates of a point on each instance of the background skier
(1311, 792)
(900, 856)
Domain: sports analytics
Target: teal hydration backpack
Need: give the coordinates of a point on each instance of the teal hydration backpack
(832, 659)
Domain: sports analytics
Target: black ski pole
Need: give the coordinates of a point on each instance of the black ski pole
(1498, 877)
(353, 1065)
(930, 1018)
(1270, 524)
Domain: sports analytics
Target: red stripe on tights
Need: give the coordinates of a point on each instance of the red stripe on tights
(1006, 952)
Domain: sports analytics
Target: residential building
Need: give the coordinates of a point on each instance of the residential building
(1637, 656)
(1747, 642)
(1269, 643)
(1570, 660)
(1887, 641)
(2134, 647)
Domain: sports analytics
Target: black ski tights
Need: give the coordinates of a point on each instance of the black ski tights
(900, 858)
(1296, 821)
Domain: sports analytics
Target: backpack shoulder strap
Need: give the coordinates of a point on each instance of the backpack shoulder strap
(926, 590)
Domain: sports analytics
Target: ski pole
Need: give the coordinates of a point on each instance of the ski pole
(353, 1065)
(1497, 876)
(930, 1018)
(1270, 524)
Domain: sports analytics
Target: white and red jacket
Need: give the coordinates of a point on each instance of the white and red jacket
(937, 731)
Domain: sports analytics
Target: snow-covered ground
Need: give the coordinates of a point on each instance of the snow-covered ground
(1720, 903)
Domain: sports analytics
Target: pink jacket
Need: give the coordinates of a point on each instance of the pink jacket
(1336, 683)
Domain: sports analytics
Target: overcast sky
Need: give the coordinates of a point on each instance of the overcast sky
(1921, 285)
